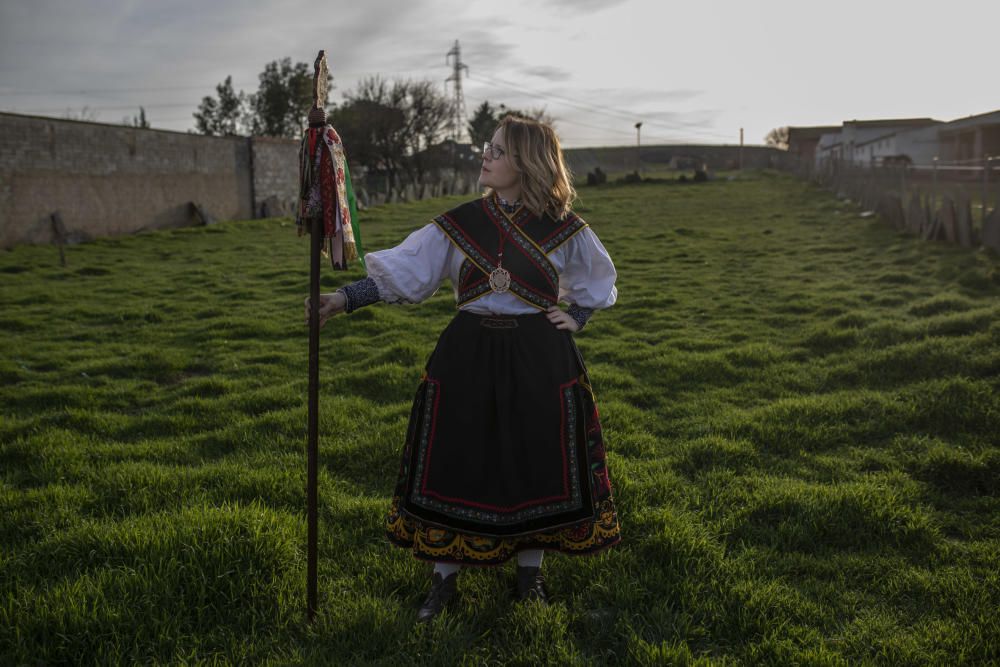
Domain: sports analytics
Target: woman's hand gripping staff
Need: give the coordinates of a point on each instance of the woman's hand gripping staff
(329, 305)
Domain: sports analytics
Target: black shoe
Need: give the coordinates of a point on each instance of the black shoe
(531, 584)
(442, 590)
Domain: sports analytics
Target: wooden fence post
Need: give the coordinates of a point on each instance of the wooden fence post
(934, 189)
(963, 230)
(986, 185)
(59, 235)
(948, 219)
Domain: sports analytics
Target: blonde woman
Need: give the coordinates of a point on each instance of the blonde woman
(503, 456)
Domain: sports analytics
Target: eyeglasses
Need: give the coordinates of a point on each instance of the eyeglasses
(495, 152)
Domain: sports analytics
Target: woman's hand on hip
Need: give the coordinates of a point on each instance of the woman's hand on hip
(329, 305)
(561, 319)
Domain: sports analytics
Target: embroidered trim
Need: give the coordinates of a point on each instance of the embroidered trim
(471, 251)
(515, 233)
(430, 541)
(509, 206)
(439, 544)
(471, 286)
(361, 293)
(579, 315)
(512, 228)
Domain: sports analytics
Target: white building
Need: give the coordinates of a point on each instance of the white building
(859, 136)
(828, 148)
(917, 147)
(911, 141)
(971, 138)
(865, 141)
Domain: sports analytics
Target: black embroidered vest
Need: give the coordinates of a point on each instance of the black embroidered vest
(476, 228)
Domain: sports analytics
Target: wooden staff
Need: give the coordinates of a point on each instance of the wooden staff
(312, 477)
(316, 232)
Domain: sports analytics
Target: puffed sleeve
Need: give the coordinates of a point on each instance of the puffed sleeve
(588, 275)
(412, 271)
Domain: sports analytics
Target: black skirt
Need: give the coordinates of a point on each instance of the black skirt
(504, 449)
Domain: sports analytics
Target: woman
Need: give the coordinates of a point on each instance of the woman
(503, 453)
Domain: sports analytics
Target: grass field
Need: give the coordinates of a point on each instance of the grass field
(801, 410)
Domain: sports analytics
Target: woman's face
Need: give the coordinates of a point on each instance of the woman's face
(499, 173)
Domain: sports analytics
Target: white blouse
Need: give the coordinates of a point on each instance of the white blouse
(412, 271)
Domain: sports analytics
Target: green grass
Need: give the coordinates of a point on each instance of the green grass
(801, 409)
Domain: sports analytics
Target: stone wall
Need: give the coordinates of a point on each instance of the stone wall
(106, 180)
(276, 176)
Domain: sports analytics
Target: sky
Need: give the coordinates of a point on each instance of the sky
(692, 72)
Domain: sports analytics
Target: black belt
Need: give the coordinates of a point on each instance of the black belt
(498, 322)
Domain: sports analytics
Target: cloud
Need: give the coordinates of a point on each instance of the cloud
(162, 55)
(484, 49)
(115, 55)
(632, 97)
(581, 6)
(547, 72)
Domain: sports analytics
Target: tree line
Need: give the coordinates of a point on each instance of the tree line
(395, 129)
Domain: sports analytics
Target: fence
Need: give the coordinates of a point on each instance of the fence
(373, 189)
(955, 202)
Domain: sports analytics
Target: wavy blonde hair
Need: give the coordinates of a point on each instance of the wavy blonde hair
(546, 181)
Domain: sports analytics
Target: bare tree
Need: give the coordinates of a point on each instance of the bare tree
(777, 137)
(372, 125)
(535, 113)
(427, 112)
(392, 127)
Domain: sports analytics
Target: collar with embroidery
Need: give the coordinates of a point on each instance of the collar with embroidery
(508, 206)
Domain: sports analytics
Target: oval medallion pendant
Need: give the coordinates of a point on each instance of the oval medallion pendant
(499, 280)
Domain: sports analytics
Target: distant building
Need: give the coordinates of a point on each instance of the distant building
(970, 138)
(828, 148)
(802, 142)
(913, 141)
(862, 141)
(913, 147)
(857, 136)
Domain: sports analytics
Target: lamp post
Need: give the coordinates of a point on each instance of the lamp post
(638, 148)
(741, 150)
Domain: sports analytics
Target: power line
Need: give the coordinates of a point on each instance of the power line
(457, 122)
(241, 85)
(608, 130)
(103, 91)
(613, 130)
(600, 110)
(580, 105)
(619, 131)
